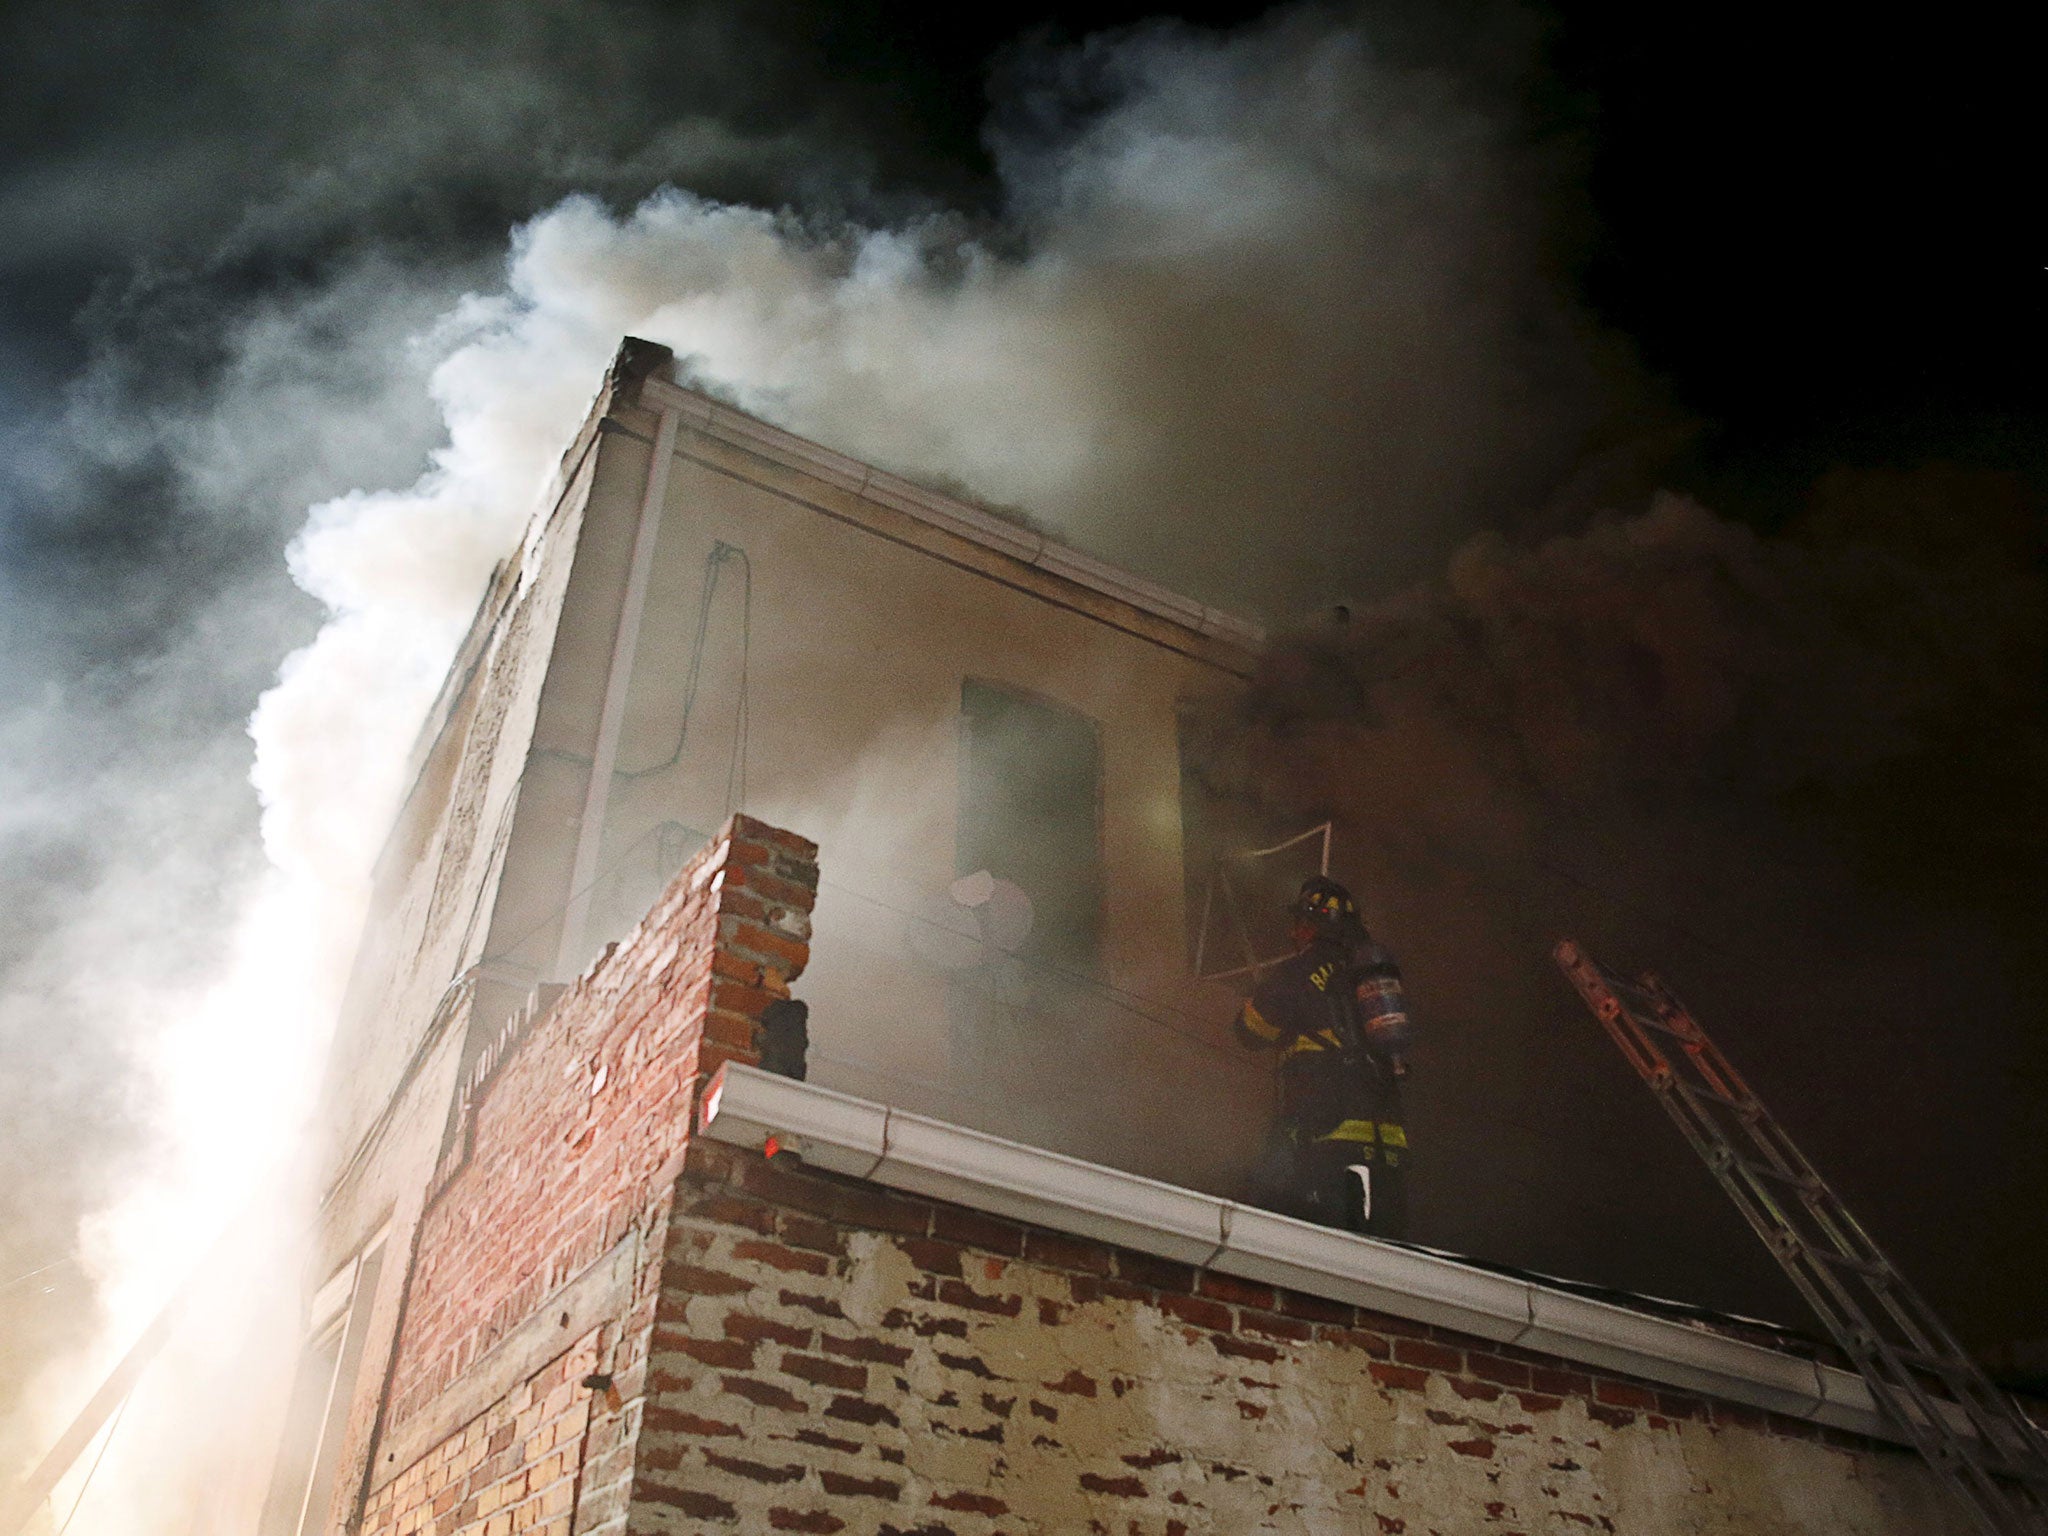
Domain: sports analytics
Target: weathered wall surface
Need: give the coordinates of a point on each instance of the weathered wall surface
(554, 1195)
(831, 1357)
(854, 628)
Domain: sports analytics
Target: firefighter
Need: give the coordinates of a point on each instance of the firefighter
(1334, 1012)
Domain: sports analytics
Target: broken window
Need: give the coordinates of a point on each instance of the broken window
(1031, 813)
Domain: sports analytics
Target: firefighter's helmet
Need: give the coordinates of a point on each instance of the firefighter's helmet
(1326, 906)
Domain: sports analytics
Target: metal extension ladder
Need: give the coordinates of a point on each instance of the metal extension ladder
(1974, 1436)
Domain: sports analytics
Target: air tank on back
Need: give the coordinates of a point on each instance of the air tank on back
(1382, 1005)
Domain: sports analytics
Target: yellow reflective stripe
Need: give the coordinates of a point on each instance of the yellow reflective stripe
(1392, 1134)
(1352, 1130)
(1255, 1022)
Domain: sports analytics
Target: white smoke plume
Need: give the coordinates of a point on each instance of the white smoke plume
(1248, 284)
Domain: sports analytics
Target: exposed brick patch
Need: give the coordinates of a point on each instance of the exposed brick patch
(1624, 1394)
(822, 1306)
(1560, 1381)
(1197, 1311)
(1371, 1344)
(875, 1351)
(679, 1421)
(754, 1471)
(1431, 1357)
(820, 1521)
(695, 1504)
(843, 1485)
(826, 1373)
(1238, 1293)
(1402, 1377)
(1316, 1309)
(933, 1255)
(731, 1354)
(755, 1329)
(763, 1394)
(1476, 1391)
(705, 1282)
(970, 1503)
(1243, 1349)
(972, 1229)
(783, 1257)
(838, 1200)
(1056, 1250)
(957, 1293)
(1157, 1274)
(1273, 1326)
(1116, 1487)
(1506, 1373)
(855, 1411)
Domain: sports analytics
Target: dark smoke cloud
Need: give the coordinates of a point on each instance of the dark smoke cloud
(1277, 316)
(1802, 777)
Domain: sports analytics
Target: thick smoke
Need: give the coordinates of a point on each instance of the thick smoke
(1799, 776)
(1266, 316)
(1234, 285)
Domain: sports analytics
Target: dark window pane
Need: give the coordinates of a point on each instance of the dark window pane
(1030, 812)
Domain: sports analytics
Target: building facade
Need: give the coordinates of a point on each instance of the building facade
(550, 1291)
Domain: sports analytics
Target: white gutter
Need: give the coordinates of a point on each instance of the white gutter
(961, 519)
(835, 1131)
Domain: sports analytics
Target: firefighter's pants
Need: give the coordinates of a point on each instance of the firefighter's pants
(1353, 1176)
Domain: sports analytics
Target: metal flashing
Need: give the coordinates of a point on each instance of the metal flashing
(744, 1106)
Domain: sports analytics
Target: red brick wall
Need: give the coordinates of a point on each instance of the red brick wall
(570, 1143)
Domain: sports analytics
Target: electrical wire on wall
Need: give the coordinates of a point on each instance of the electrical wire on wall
(736, 765)
(722, 554)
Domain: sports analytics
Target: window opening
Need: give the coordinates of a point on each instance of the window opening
(1031, 814)
(309, 1456)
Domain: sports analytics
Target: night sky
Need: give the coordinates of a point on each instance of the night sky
(1797, 251)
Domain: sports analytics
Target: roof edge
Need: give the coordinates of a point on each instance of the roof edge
(961, 519)
(743, 1106)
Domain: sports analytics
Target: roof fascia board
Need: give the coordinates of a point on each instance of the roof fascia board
(745, 1106)
(949, 514)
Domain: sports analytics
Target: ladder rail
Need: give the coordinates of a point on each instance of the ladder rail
(1975, 1437)
(1925, 1331)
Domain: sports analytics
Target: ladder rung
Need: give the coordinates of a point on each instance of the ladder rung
(1999, 1466)
(1940, 1365)
(1806, 1183)
(1701, 1091)
(1864, 1267)
(1650, 1020)
(2020, 1472)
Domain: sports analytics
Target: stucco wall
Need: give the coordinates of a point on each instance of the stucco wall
(835, 1358)
(854, 641)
